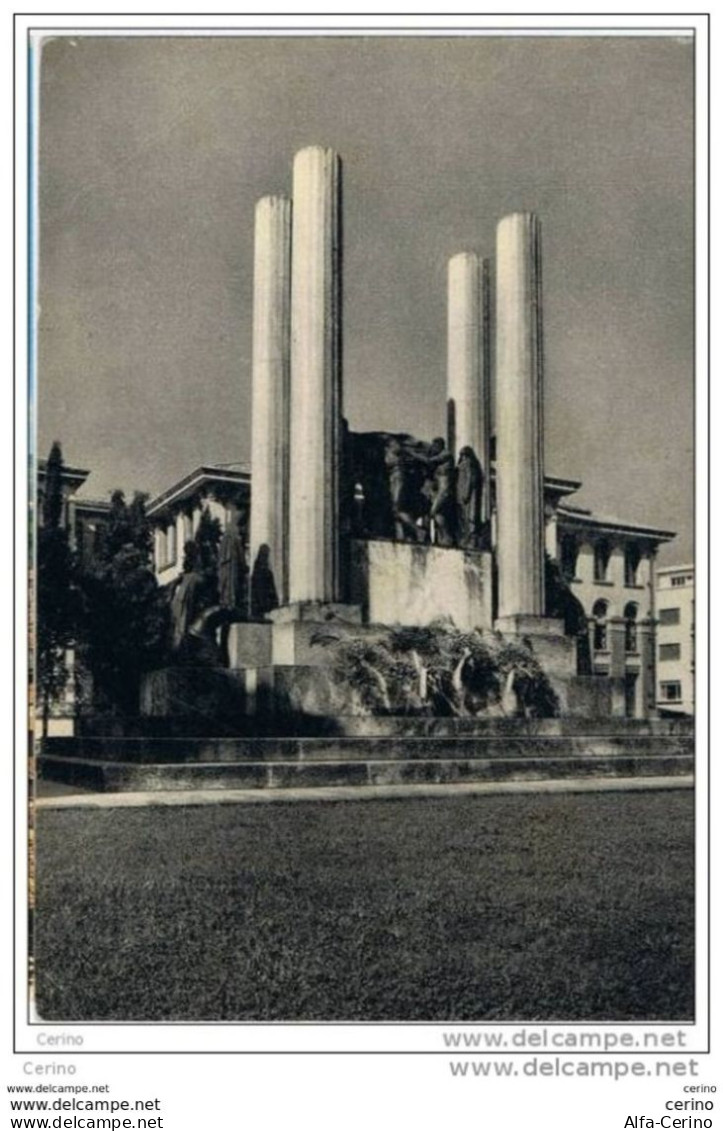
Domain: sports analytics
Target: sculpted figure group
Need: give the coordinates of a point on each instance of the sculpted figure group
(413, 492)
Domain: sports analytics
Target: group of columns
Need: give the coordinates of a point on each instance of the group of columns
(296, 389)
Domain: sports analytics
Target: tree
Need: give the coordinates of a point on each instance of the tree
(207, 539)
(56, 596)
(125, 618)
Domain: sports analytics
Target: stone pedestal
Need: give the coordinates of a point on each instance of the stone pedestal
(468, 365)
(205, 696)
(249, 645)
(406, 583)
(270, 387)
(520, 509)
(555, 652)
(315, 379)
(301, 632)
(589, 697)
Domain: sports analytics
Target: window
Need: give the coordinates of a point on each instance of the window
(568, 556)
(160, 539)
(171, 544)
(630, 615)
(600, 627)
(632, 562)
(669, 652)
(669, 616)
(676, 581)
(602, 560)
(670, 692)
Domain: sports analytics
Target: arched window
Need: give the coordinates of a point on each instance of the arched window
(600, 626)
(630, 615)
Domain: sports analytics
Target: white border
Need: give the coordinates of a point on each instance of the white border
(256, 1037)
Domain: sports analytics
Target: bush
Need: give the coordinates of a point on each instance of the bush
(440, 670)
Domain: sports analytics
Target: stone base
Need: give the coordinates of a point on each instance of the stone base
(299, 692)
(521, 754)
(414, 584)
(317, 612)
(556, 652)
(589, 697)
(249, 645)
(523, 624)
(301, 632)
(213, 694)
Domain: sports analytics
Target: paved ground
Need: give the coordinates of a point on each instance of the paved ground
(55, 795)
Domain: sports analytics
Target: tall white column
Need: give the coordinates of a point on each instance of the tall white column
(519, 457)
(270, 387)
(468, 369)
(315, 378)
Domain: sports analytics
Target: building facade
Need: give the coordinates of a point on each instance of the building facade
(223, 491)
(675, 612)
(610, 566)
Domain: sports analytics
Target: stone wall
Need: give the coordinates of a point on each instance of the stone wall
(414, 584)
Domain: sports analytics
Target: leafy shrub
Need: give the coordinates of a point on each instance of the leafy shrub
(439, 670)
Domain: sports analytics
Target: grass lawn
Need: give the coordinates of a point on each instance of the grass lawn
(523, 907)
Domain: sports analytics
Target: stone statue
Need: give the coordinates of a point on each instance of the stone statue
(441, 479)
(470, 479)
(233, 571)
(264, 596)
(187, 600)
(396, 461)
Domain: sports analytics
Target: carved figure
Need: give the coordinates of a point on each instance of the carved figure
(232, 571)
(442, 510)
(470, 479)
(397, 465)
(187, 598)
(264, 596)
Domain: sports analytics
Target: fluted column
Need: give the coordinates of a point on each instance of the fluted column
(468, 367)
(270, 387)
(519, 457)
(315, 378)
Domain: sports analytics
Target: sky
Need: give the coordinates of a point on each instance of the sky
(154, 151)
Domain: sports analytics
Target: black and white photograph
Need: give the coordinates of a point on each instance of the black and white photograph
(362, 544)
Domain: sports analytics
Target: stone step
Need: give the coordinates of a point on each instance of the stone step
(372, 726)
(347, 748)
(125, 776)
